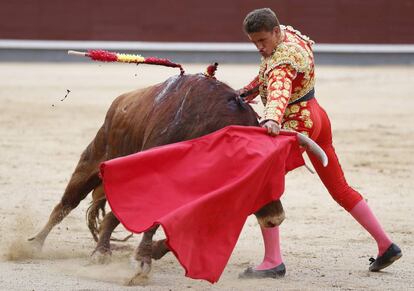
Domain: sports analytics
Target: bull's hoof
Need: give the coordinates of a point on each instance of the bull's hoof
(141, 278)
(271, 221)
(35, 244)
(101, 256)
(138, 280)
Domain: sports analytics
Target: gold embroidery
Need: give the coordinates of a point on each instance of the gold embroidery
(287, 112)
(298, 33)
(273, 104)
(308, 123)
(291, 38)
(289, 53)
(294, 108)
(279, 83)
(293, 124)
(285, 93)
(305, 90)
(303, 103)
(270, 113)
(305, 112)
(297, 89)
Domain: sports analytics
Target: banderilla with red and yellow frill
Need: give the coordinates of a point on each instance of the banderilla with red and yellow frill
(106, 56)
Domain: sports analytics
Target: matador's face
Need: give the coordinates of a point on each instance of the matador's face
(266, 41)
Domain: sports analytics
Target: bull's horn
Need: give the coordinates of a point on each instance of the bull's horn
(312, 146)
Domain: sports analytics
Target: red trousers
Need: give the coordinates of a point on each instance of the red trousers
(310, 118)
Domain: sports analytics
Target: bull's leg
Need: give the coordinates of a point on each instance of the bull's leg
(159, 249)
(143, 256)
(102, 252)
(59, 212)
(84, 179)
(76, 191)
(270, 215)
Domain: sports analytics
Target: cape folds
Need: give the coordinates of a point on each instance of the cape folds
(201, 191)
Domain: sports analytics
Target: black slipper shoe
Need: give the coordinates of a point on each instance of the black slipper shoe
(276, 272)
(392, 254)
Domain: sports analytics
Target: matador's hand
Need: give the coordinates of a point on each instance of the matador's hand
(272, 127)
(241, 91)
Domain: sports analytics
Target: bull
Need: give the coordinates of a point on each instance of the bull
(181, 108)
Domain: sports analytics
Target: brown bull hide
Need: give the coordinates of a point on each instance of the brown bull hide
(181, 108)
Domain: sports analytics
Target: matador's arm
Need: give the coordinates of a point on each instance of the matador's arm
(251, 90)
(279, 91)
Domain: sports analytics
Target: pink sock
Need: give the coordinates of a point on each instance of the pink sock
(363, 214)
(272, 256)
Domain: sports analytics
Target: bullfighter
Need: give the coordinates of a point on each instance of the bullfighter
(286, 83)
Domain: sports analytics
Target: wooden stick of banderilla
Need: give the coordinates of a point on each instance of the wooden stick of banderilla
(76, 53)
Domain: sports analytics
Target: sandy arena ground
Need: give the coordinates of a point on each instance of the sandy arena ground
(41, 138)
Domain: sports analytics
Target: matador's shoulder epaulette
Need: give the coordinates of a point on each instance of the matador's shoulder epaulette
(295, 51)
(297, 33)
(292, 54)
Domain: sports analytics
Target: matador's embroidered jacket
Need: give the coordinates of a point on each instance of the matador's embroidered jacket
(287, 75)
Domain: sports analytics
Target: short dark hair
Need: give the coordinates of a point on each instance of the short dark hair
(263, 19)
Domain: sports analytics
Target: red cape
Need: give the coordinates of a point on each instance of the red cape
(201, 191)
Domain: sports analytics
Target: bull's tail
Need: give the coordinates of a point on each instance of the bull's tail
(95, 214)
